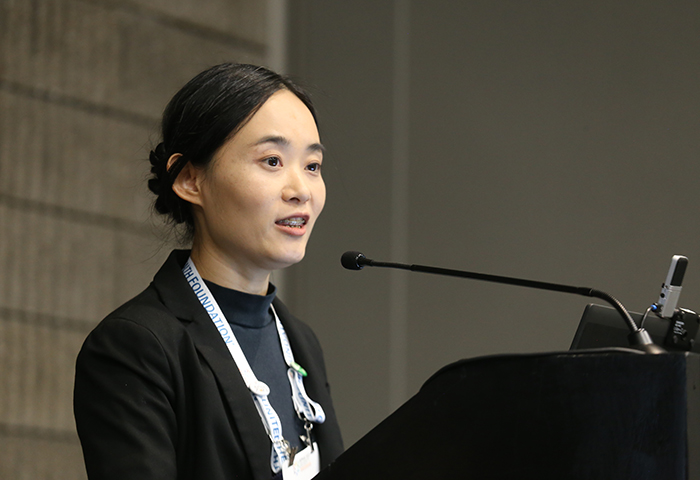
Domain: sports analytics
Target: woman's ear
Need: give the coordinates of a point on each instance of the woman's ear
(187, 184)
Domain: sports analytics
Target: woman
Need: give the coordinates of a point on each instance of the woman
(205, 374)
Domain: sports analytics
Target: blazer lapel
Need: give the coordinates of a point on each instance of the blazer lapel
(178, 296)
(255, 440)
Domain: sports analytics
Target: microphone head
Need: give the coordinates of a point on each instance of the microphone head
(351, 260)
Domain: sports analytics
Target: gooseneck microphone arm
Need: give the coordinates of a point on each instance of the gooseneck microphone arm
(638, 336)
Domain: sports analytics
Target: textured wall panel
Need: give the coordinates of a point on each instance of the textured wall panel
(71, 158)
(37, 362)
(244, 17)
(70, 270)
(27, 458)
(59, 268)
(82, 86)
(103, 55)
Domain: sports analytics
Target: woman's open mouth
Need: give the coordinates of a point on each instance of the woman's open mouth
(294, 222)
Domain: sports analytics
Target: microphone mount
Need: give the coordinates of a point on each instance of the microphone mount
(638, 337)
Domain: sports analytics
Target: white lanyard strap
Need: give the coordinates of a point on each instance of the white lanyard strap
(303, 405)
(306, 408)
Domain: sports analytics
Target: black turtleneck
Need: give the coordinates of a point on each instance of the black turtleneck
(252, 322)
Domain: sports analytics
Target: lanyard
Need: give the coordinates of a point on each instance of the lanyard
(307, 409)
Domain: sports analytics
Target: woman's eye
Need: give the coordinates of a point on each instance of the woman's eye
(314, 167)
(273, 161)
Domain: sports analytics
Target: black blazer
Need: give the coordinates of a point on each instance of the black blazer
(158, 396)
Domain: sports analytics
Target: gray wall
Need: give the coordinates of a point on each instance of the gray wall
(548, 140)
(82, 85)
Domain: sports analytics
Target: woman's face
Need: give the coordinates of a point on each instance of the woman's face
(262, 193)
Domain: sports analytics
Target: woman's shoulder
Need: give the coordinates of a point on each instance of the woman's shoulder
(141, 321)
(162, 309)
(146, 310)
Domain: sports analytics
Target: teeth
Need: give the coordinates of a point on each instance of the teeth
(297, 222)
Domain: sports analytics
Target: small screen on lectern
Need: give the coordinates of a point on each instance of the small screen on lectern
(603, 326)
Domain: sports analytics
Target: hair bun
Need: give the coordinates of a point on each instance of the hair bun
(161, 182)
(159, 164)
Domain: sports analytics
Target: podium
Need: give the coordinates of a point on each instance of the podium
(586, 414)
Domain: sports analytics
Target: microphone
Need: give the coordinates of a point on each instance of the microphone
(353, 260)
(638, 337)
(671, 288)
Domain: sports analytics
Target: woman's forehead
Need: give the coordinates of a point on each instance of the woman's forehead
(283, 120)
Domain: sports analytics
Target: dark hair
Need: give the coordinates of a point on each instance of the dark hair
(201, 117)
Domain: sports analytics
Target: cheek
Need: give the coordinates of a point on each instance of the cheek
(320, 197)
(243, 196)
(236, 206)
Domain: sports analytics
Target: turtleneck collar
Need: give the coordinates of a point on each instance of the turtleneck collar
(244, 309)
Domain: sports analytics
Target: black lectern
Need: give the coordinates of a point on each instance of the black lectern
(587, 414)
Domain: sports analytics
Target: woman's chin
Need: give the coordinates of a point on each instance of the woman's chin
(289, 259)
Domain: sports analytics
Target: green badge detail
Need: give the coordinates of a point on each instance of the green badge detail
(299, 369)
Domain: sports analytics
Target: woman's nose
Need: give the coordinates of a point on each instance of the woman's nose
(296, 188)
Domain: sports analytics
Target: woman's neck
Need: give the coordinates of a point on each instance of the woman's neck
(216, 268)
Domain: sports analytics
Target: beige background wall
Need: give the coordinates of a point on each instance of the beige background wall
(82, 86)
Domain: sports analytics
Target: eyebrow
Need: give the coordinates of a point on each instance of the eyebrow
(284, 142)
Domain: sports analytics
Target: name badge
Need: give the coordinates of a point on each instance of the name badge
(307, 464)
